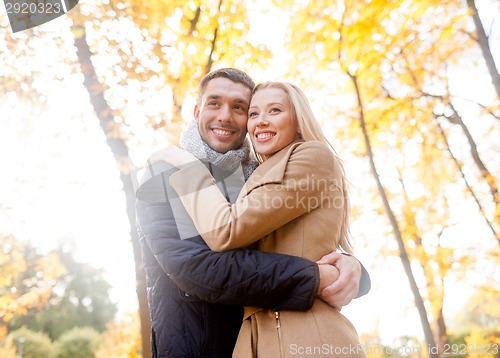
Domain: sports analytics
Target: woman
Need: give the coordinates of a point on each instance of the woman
(292, 200)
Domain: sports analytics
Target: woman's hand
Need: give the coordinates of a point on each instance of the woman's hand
(173, 155)
(328, 274)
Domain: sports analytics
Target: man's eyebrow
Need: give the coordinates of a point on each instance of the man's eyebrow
(241, 100)
(236, 100)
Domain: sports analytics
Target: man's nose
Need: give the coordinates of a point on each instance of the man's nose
(224, 114)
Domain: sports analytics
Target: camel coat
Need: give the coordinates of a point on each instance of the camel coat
(294, 204)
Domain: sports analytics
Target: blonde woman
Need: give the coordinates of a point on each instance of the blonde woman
(296, 201)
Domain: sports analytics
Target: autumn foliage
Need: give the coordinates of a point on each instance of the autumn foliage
(407, 91)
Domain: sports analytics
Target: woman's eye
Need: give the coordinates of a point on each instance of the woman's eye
(274, 110)
(252, 114)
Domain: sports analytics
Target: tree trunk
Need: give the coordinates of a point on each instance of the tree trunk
(436, 298)
(485, 173)
(443, 338)
(429, 338)
(469, 187)
(119, 149)
(482, 39)
(489, 178)
(174, 126)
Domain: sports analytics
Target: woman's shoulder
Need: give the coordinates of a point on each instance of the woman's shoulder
(312, 160)
(313, 149)
(313, 144)
(311, 157)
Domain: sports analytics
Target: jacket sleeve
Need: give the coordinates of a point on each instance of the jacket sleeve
(365, 283)
(239, 277)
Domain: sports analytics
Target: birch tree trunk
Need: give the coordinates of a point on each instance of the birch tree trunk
(482, 39)
(419, 302)
(119, 148)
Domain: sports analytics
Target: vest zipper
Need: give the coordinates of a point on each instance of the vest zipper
(278, 328)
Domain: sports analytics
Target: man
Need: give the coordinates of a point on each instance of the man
(196, 295)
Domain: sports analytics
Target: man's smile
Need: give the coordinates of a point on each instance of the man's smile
(222, 132)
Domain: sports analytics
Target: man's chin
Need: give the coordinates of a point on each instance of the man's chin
(222, 144)
(224, 147)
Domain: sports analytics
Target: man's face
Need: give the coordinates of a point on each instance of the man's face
(222, 114)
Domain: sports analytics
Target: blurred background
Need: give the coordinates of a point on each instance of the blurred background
(408, 92)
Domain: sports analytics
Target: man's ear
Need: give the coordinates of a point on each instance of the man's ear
(196, 113)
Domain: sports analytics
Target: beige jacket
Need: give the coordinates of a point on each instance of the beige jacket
(293, 203)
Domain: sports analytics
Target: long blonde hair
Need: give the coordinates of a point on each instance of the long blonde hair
(310, 130)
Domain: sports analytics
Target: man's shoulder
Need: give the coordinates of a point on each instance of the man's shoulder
(153, 179)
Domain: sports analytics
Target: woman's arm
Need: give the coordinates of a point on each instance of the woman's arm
(262, 207)
(238, 277)
(241, 277)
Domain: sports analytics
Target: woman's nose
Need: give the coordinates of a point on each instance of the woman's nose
(262, 121)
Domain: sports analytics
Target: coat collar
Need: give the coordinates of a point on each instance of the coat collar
(273, 169)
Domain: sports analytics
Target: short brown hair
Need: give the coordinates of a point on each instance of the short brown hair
(230, 73)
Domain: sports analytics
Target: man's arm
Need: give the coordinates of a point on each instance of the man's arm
(240, 277)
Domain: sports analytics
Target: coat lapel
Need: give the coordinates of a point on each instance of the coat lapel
(272, 170)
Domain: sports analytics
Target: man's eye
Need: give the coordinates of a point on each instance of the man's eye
(212, 103)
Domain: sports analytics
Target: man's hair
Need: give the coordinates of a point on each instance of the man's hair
(232, 74)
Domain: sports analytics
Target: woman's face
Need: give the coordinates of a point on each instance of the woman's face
(271, 121)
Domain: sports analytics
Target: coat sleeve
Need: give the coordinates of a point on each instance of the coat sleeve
(226, 226)
(239, 277)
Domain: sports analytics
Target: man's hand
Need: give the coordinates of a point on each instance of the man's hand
(341, 292)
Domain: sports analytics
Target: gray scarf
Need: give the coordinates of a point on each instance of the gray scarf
(230, 161)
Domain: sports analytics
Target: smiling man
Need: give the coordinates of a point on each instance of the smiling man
(196, 295)
(222, 113)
